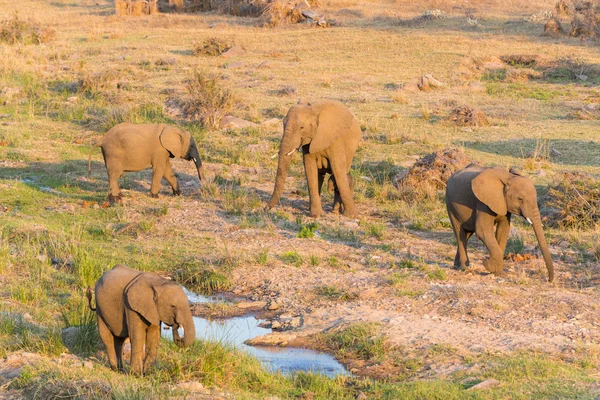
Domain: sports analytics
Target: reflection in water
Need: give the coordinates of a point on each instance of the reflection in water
(235, 331)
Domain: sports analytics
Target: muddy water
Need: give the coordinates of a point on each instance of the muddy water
(237, 330)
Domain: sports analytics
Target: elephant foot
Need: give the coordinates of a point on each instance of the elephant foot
(118, 199)
(154, 195)
(492, 266)
(316, 213)
(349, 212)
(176, 192)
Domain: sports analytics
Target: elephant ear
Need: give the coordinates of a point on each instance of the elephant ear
(175, 141)
(330, 128)
(489, 186)
(142, 298)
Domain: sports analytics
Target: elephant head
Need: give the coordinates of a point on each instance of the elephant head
(181, 144)
(305, 124)
(157, 299)
(506, 192)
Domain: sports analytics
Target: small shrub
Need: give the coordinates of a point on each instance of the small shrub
(211, 47)
(207, 100)
(436, 274)
(434, 14)
(15, 30)
(334, 293)
(396, 278)
(263, 257)
(94, 83)
(292, 257)
(206, 276)
(314, 261)
(361, 341)
(308, 230)
(574, 201)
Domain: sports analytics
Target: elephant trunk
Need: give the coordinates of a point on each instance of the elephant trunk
(536, 221)
(189, 334)
(194, 155)
(285, 158)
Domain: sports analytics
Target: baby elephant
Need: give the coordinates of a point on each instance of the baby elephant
(479, 198)
(132, 304)
(131, 147)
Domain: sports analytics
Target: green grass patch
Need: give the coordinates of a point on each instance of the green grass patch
(335, 293)
(308, 230)
(361, 341)
(292, 257)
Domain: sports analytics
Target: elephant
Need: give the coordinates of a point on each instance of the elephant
(132, 304)
(479, 198)
(328, 134)
(333, 190)
(134, 147)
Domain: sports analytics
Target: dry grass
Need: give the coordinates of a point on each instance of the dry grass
(468, 116)
(207, 99)
(430, 174)
(574, 201)
(15, 30)
(211, 47)
(136, 7)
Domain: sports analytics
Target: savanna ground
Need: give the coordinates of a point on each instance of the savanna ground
(380, 292)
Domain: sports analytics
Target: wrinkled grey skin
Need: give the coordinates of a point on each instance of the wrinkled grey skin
(132, 304)
(479, 198)
(328, 134)
(134, 147)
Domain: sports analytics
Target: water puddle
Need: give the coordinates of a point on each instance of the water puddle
(237, 330)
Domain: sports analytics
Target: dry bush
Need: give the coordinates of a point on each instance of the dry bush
(207, 100)
(521, 75)
(272, 12)
(136, 7)
(524, 60)
(590, 112)
(564, 7)
(429, 174)
(553, 27)
(15, 30)
(94, 83)
(468, 116)
(574, 201)
(211, 47)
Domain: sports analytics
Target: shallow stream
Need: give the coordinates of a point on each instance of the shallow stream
(237, 330)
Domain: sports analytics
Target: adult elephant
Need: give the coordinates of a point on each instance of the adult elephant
(328, 134)
(132, 304)
(479, 198)
(134, 147)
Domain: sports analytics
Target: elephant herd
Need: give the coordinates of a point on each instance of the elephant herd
(129, 303)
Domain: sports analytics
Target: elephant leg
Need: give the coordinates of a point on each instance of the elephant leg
(138, 339)
(119, 350)
(109, 343)
(461, 259)
(502, 232)
(114, 193)
(312, 179)
(343, 186)
(157, 175)
(152, 340)
(172, 179)
(321, 180)
(486, 234)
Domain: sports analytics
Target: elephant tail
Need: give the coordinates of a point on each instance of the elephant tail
(88, 294)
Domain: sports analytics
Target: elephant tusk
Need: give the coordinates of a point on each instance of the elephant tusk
(291, 152)
(195, 161)
(274, 155)
(182, 330)
(528, 220)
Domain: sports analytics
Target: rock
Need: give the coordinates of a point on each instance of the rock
(234, 51)
(264, 64)
(273, 306)
(232, 65)
(477, 87)
(309, 14)
(258, 148)
(271, 123)
(88, 365)
(276, 325)
(4, 116)
(193, 386)
(477, 348)
(266, 324)
(555, 153)
(251, 304)
(11, 373)
(231, 122)
(72, 99)
(361, 396)
(488, 383)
